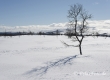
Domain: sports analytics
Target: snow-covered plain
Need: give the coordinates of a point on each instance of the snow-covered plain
(46, 58)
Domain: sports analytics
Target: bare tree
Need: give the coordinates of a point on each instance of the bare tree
(57, 32)
(78, 24)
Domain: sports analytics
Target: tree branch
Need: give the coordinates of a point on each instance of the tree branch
(67, 45)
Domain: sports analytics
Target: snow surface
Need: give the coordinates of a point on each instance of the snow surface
(46, 58)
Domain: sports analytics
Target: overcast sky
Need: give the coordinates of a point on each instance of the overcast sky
(45, 12)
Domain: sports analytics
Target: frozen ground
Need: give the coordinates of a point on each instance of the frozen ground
(46, 58)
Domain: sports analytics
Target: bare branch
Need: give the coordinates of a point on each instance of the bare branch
(67, 45)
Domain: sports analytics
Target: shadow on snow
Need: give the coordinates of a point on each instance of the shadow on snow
(43, 70)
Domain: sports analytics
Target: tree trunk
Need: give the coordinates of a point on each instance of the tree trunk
(80, 49)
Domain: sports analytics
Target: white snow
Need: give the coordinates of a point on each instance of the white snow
(46, 58)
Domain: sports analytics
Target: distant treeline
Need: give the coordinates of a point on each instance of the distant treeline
(15, 33)
(57, 32)
(29, 33)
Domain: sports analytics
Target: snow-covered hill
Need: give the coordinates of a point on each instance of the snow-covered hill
(46, 58)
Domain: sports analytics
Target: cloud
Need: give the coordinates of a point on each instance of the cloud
(34, 28)
(103, 26)
(98, 25)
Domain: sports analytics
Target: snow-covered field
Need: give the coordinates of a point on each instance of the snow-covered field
(46, 58)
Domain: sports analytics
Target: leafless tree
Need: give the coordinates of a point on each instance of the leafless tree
(57, 32)
(78, 24)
